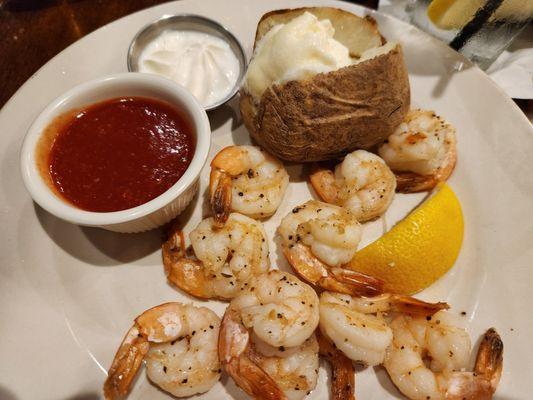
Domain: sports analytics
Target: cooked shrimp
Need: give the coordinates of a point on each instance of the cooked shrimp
(279, 308)
(247, 180)
(362, 183)
(294, 369)
(264, 341)
(342, 370)
(448, 348)
(178, 342)
(421, 152)
(226, 258)
(356, 326)
(317, 239)
(237, 355)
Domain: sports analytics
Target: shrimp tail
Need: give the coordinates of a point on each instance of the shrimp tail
(339, 280)
(411, 182)
(323, 181)
(489, 360)
(360, 284)
(184, 273)
(173, 249)
(254, 381)
(410, 305)
(229, 162)
(236, 355)
(342, 369)
(125, 365)
(482, 383)
(220, 188)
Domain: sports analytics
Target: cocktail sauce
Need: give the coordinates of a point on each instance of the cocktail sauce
(118, 153)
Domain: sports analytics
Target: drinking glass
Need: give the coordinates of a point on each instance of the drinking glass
(484, 35)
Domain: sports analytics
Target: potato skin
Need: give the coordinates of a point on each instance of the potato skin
(331, 114)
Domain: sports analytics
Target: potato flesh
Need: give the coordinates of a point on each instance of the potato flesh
(376, 52)
(356, 33)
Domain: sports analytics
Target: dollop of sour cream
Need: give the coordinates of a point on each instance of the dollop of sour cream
(203, 63)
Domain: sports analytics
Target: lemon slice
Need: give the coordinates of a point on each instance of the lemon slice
(452, 14)
(419, 249)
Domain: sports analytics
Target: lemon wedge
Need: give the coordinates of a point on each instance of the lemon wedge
(419, 249)
(452, 14)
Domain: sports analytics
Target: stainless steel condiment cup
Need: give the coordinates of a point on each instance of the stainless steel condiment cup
(187, 22)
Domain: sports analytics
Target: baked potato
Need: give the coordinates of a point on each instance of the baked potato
(329, 114)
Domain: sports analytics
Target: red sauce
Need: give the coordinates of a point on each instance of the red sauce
(119, 153)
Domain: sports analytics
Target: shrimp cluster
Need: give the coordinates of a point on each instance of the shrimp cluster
(247, 180)
(421, 152)
(362, 183)
(356, 324)
(226, 258)
(267, 343)
(276, 327)
(428, 358)
(178, 342)
(423, 349)
(317, 239)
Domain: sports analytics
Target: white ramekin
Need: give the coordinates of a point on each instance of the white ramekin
(147, 216)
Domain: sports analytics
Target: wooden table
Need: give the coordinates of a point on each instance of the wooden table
(33, 31)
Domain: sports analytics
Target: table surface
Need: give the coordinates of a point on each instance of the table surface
(33, 31)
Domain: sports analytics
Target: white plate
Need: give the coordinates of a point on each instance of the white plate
(68, 294)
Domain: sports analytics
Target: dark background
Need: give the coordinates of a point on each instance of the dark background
(33, 31)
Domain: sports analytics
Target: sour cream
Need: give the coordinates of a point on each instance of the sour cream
(203, 63)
